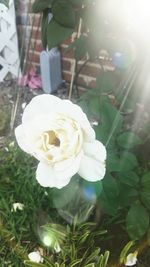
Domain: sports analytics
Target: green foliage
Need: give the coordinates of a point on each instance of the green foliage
(97, 32)
(75, 252)
(39, 6)
(67, 17)
(128, 140)
(62, 24)
(125, 251)
(106, 82)
(124, 184)
(145, 190)
(79, 46)
(44, 26)
(137, 221)
(58, 32)
(18, 230)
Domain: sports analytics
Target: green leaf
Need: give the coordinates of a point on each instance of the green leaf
(5, 2)
(145, 192)
(106, 81)
(137, 221)
(148, 237)
(109, 196)
(44, 26)
(128, 162)
(104, 259)
(127, 195)
(110, 187)
(90, 265)
(80, 47)
(145, 180)
(128, 140)
(75, 262)
(93, 256)
(129, 178)
(39, 6)
(56, 33)
(63, 13)
(112, 162)
(111, 120)
(145, 197)
(94, 105)
(76, 2)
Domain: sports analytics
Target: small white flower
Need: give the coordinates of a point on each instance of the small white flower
(58, 133)
(57, 248)
(35, 257)
(17, 206)
(23, 105)
(12, 144)
(131, 259)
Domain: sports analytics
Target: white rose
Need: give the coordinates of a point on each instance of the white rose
(59, 135)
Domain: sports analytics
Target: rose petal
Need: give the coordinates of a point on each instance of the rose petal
(75, 112)
(23, 140)
(48, 104)
(96, 150)
(92, 166)
(59, 175)
(42, 104)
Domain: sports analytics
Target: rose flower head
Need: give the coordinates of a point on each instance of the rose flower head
(58, 133)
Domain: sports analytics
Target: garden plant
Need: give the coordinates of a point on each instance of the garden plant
(93, 212)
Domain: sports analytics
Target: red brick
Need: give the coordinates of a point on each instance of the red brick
(34, 57)
(38, 46)
(35, 19)
(66, 65)
(80, 81)
(89, 71)
(66, 54)
(36, 33)
(67, 42)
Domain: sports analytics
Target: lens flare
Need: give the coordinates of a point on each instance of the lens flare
(76, 203)
(47, 240)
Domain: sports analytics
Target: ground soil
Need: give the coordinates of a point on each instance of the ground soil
(9, 90)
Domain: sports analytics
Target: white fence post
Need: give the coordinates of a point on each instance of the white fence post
(9, 53)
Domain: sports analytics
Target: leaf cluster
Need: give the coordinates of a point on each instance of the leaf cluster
(126, 188)
(99, 29)
(75, 251)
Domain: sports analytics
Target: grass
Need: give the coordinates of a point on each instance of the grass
(19, 231)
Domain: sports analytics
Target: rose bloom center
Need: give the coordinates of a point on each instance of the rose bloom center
(61, 141)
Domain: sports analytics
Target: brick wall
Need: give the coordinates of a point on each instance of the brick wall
(88, 75)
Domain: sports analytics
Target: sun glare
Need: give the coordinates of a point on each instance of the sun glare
(137, 13)
(134, 13)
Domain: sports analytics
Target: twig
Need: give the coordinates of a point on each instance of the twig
(74, 62)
